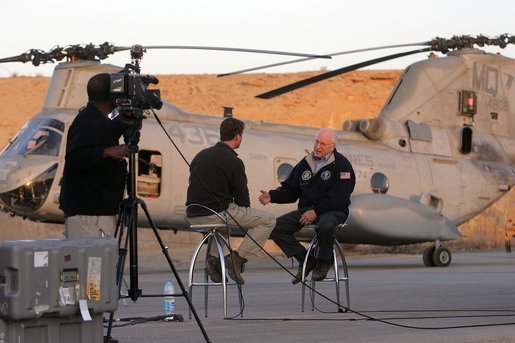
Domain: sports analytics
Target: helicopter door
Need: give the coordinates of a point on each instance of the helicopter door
(149, 173)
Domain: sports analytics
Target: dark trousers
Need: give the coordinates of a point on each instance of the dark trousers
(288, 224)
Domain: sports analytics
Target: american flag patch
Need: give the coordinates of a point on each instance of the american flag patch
(344, 175)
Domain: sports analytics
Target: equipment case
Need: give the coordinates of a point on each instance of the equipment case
(47, 278)
(53, 330)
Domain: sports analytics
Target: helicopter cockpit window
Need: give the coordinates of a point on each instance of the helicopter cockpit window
(379, 183)
(30, 196)
(149, 173)
(38, 137)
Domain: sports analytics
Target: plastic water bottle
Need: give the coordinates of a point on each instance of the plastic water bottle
(169, 290)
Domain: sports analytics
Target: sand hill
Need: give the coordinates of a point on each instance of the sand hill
(355, 95)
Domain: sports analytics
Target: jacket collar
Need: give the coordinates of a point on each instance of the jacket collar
(311, 159)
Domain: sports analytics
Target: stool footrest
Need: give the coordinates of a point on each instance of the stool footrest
(207, 226)
(213, 284)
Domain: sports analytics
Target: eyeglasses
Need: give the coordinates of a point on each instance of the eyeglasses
(322, 144)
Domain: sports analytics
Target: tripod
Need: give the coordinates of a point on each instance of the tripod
(128, 218)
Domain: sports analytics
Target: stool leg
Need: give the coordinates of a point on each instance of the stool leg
(345, 273)
(192, 267)
(312, 294)
(240, 299)
(304, 264)
(222, 266)
(206, 276)
(336, 277)
(228, 246)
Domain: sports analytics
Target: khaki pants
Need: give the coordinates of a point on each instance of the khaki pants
(257, 223)
(89, 226)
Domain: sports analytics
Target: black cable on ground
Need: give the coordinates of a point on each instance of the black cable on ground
(388, 322)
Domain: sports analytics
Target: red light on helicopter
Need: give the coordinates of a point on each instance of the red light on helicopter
(468, 102)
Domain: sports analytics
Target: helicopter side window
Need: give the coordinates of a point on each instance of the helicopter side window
(38, 137)
(283, 171)
(149, 173)
(379, 183)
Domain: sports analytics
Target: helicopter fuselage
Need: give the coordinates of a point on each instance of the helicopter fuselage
(440, 152)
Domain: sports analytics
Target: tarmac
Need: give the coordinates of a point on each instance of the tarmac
(393, 298)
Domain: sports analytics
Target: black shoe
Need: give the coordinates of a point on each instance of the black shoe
(235, 267)
(321, 270)
(213, 269)
(309, 267)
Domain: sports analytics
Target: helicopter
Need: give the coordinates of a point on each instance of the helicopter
(440, 151)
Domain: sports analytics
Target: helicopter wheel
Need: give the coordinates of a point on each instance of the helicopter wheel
(442, 257)
(427, 257)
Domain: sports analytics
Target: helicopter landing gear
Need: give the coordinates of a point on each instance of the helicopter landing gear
(437, 256)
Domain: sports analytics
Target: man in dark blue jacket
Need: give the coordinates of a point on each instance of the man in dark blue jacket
(323, 183)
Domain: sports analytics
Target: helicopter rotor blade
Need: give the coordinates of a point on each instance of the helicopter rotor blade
(92, 52)
(20, 58)
(332, 55)
(102, 51)
(214, 48)
(324, 76)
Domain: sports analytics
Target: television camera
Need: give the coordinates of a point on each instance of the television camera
(131, 96)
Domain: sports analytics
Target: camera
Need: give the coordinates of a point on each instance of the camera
(130, 94)
(130, 90)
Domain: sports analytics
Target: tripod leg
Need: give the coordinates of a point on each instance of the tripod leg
(122, 253)
(164, 249)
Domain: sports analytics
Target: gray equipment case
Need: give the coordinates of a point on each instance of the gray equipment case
(53, 330)
(47, 278)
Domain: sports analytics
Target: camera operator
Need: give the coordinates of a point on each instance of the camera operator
(95, 169)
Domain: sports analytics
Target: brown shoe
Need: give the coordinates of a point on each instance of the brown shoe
(234, 266)
(309, 267)
(321, 270)
(214, 269)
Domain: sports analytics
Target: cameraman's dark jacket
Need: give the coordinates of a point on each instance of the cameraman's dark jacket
(92, 185)
(220, 169)
(327, 190)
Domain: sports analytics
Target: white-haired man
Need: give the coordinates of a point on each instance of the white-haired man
(323, 183)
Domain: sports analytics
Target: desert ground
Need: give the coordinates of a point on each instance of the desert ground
(359, 94)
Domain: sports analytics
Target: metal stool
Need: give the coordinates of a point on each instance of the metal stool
(212, 233)
(337, 273)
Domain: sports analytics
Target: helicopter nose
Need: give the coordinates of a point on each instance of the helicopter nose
(31, 195)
